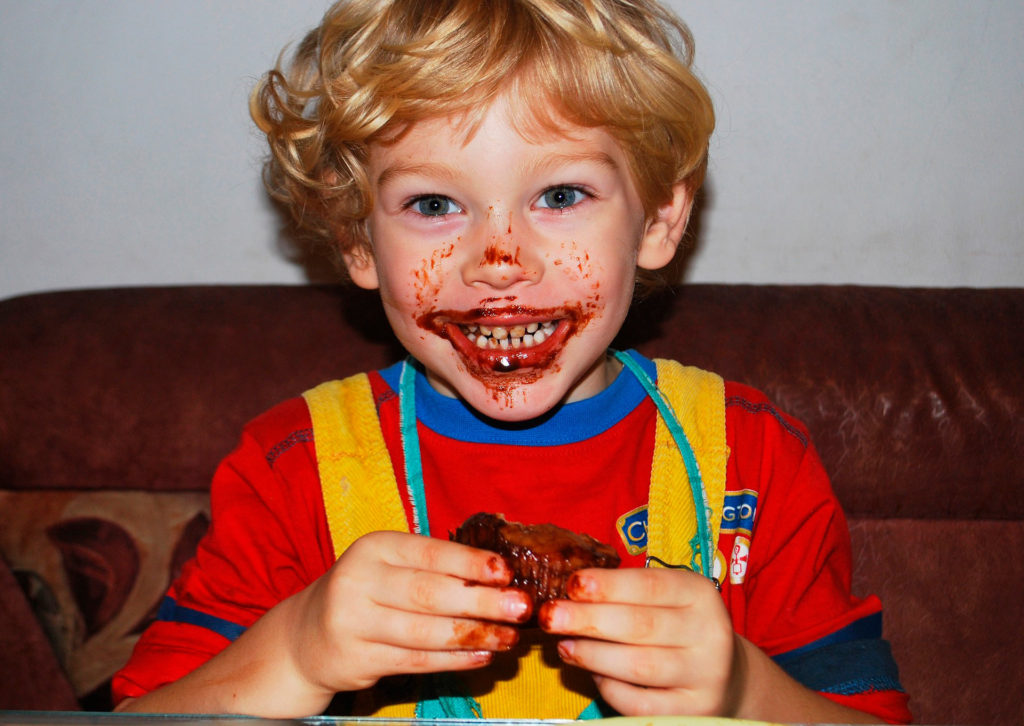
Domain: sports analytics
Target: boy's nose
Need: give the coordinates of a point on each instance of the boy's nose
(500, 260)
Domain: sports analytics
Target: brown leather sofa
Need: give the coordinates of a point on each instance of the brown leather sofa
(116, 405)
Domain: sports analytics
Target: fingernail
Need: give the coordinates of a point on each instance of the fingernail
(567, 651)
(507, 638)
(576, 587)
(551, 617)
(516, 606)
(498, 569)
(580, 587)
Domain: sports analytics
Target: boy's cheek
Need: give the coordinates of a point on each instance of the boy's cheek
(414, 284)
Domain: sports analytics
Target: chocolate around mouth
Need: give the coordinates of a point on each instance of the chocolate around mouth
(504, 347)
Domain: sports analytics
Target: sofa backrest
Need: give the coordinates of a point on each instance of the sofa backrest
(116, 405)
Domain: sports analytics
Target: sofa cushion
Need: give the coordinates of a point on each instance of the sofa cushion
(148, 388)
(951, 591)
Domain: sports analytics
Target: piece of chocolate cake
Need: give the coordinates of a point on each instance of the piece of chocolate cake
(541, 556)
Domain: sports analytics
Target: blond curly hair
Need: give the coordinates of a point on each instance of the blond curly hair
(374, 67)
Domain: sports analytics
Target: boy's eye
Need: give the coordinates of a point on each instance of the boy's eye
(434, 205)
(560, 198)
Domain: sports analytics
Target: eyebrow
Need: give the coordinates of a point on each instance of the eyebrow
(555, 160)
(447, 173)
(395, 171)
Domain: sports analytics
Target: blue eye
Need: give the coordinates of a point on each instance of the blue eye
(560, 198)
(434, 205)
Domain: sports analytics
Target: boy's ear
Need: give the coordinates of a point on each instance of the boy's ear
(665, 231)
(361, 266)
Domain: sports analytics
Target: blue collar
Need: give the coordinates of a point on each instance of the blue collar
(566, 424)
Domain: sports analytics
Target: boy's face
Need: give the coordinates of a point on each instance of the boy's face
(506, 265)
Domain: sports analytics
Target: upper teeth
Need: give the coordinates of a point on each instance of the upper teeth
(515, 336)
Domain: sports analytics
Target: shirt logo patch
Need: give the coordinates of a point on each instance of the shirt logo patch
(632, 528)
(738, 512)
(740, 558)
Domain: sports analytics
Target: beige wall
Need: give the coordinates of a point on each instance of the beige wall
(861, 141)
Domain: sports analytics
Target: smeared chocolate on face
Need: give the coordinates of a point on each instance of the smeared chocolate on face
(494, 255)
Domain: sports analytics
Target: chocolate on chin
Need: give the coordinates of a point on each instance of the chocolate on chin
(541, 556)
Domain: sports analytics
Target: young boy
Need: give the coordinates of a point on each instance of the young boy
(500, 170)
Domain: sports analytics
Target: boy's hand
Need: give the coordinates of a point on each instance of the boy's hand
(657, 641)
(397, 603)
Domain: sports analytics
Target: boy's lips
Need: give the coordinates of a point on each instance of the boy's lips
(505, 340)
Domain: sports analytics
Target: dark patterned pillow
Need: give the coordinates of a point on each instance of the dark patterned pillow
(93, 566)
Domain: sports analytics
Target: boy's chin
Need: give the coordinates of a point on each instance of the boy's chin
(511, 399)
(520, 394)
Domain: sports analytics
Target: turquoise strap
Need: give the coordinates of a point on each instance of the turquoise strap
(597, 709)
(700, 498)
(411, 448)
(446, 698)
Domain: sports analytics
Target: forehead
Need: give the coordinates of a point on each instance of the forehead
(496, 156)
(509, 121)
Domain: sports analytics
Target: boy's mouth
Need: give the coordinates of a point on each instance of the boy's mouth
(506, 340)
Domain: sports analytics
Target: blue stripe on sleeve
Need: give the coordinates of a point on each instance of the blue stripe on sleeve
(171, 612)
(852, 660)
(867, 628)
(857, 666)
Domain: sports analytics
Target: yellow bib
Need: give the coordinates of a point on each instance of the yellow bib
(361, 495)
